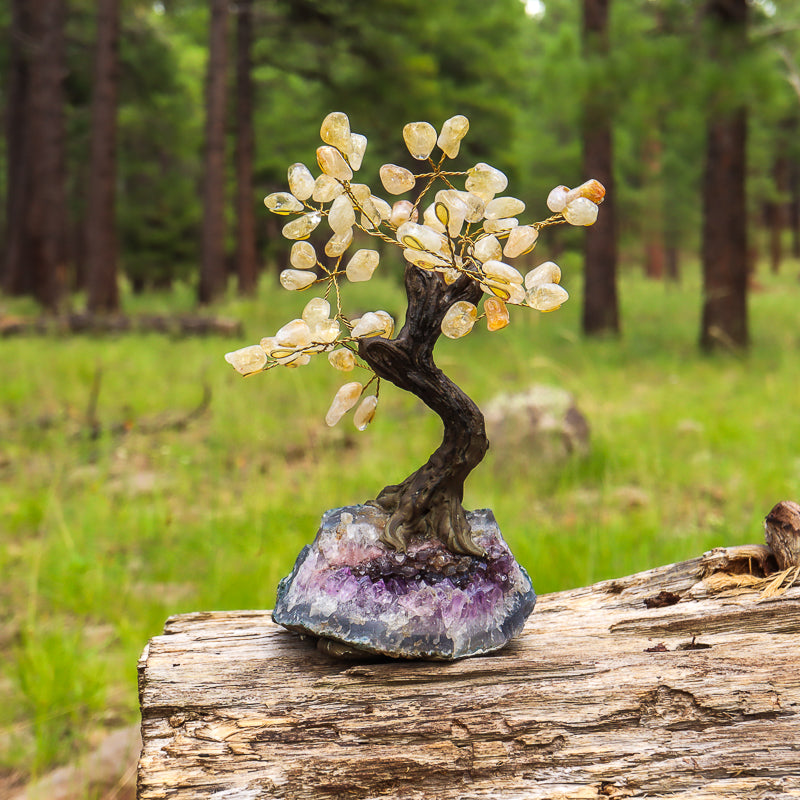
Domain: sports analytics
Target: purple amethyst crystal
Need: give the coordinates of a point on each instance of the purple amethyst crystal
(349, 587)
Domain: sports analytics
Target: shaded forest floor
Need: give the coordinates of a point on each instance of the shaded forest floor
(120, 506)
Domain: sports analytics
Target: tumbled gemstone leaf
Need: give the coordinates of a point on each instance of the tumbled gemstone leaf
(365, 412)
(326, 189)
(325, 331)
(388, 323)
(503, 207)
(302, 227)
(496, 313)
(498, 271)
(419, 237)
(474, 205)
(338, 243)
(358, 146)
(335, 131)
(592, 190)
(487, 248)
(341, 216)
(580, 211)
(431, 219)
(299, 360)
(372, 324)
(547, 297)
(403, 211)
(361, 191)
(424, 259)
(295, 334)
(362, 265)
(521, 240)
(420, 139)
(247, 360)
(282, 203)
(485, 181)
(548, 272)
(557, 199)
(343, 401)
(383, 208)
(451, 213)
(396, 180)
(295, 279)
(507, 292)
(453, 131)
(332, 163)
(504, 225)
(342, 359)
(303, 256)
(317, 309)
(459, 319)
(301, 181)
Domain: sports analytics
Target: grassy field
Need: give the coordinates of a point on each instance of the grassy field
(107, 530)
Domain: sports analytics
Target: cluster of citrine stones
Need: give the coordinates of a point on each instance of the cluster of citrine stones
(472, 231)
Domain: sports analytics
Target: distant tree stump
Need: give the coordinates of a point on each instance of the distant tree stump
(682, 681)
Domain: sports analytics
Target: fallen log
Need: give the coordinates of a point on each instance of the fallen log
(172, 325)
(682, 681)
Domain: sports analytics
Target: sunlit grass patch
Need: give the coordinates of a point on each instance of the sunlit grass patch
(113, 517)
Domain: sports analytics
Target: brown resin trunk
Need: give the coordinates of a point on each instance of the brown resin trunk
(428, 502)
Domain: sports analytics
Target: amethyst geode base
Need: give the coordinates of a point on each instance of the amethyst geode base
(426, 603)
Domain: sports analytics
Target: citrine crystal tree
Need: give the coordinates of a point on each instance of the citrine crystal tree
(410, 574)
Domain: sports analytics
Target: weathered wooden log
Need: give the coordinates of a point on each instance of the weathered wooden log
(683, 681)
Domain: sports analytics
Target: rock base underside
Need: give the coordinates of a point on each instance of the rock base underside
(427, 603)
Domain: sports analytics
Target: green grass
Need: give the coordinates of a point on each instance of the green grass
(105, 536)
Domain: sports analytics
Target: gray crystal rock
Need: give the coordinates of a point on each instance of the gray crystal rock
(426, 603)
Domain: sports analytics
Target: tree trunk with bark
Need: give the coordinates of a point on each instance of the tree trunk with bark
(36, 211)
(212, 245)
(428, 502)
(679, 682)
(600, 303)
(725, 245)
(246, 258)
(101, 224)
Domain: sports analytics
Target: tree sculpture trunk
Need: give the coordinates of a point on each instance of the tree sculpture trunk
(428, 502)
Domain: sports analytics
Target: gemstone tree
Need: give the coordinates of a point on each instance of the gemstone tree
(454, 258)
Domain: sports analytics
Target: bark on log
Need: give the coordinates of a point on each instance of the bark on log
(681, 682)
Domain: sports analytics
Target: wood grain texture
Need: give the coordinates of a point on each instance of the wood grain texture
(688, 695)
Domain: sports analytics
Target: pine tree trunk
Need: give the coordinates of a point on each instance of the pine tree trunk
(37, 221)
(101, 227)
(246, 259)
(600, 304)
(212, 267)
(652, 219)
(725, 245)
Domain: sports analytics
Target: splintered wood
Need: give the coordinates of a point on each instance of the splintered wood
(649, 686)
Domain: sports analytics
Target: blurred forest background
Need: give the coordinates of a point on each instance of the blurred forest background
(140, 477)
(140, 134)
